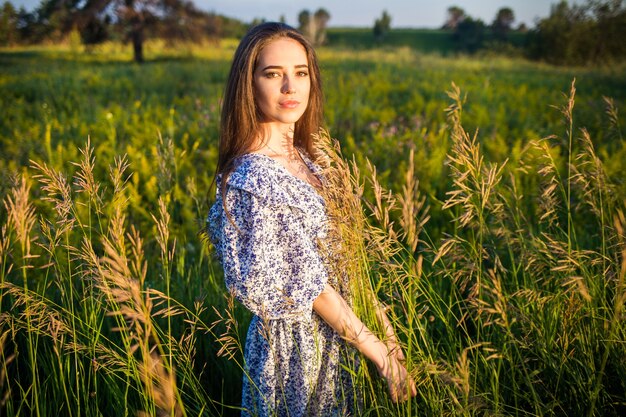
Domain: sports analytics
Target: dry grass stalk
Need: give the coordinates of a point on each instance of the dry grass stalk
(5, 360)
(494, 305)
(612, 112)
(58, 192)
(353, 241)
(620, 229)
(380, 237)
(384, 202)
(590, 176)
(37, 317)
(166, 163)
(163, 232)
(161, 386)
(117, 174)
(172, 308)
(119, 200)
(471, 176)
(480, 205)
(414, 208)
(229, 339)
(549, 202)
(21, 218)
(5, 249)
(344, 247)
(568, 112)
(122, 280)
(462, 378)
(577, 284)
(362, 251)
(568, 109)
(84, 179)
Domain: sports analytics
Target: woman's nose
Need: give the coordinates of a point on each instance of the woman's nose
(288, 86)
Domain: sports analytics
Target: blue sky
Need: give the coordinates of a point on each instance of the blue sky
(404, 13)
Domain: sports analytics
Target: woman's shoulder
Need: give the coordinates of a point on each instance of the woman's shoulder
(251, 176)
(252, 172)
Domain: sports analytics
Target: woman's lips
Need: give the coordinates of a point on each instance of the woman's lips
(289, 104)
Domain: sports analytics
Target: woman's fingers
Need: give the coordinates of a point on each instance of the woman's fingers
(400, 383)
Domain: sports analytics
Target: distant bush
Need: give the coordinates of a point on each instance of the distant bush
(581, 34)
(469, 34)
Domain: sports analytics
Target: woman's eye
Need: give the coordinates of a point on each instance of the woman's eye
(303, 74)
(271, 74)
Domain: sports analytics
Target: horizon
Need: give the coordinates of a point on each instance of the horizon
(404, 14)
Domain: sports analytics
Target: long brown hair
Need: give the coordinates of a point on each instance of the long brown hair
(240, 121)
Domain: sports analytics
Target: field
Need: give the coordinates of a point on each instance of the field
(493, 224)
(423, 40)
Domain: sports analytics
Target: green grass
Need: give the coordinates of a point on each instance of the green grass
(508, 299)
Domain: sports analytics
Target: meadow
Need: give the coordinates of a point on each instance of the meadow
(486, 202)
(423, 40)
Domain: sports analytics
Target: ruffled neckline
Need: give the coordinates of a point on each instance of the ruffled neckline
(269, 180)
(312, 167)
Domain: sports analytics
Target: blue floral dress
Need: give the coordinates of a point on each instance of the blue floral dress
(295, 363)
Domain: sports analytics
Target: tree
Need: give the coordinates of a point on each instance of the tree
(455, 16)
(8, 24)
(469, 34)
(55, 19)
(135, 19)
(26, 23)
(581, 34)
(610, 17)
(137, 16)
(314, 27)
(304, 21)
(502, 23)
(320, 19)
(382, 25)
(182, 21)
(95, 30)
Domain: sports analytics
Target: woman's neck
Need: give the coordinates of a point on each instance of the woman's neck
(278, 142)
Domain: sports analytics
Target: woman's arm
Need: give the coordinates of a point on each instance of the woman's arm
(335, 311)
(391, 339)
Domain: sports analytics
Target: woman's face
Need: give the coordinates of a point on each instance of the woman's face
(281, 82)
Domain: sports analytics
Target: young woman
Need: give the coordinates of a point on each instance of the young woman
(266, 223)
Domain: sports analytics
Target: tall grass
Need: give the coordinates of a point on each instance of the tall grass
(98, 337)
(510, 302)
(512, 313)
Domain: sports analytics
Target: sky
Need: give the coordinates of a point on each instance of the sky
(362, 13)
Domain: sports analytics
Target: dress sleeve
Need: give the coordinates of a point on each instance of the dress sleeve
(270, 263)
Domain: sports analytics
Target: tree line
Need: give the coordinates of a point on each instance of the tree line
(126, 20)
(592, 32)
(472, 34)
(573, 34)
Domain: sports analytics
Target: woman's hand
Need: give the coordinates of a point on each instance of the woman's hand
(400, 383)
(331, 307)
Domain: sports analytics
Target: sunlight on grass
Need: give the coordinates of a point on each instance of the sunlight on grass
(487, 213)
